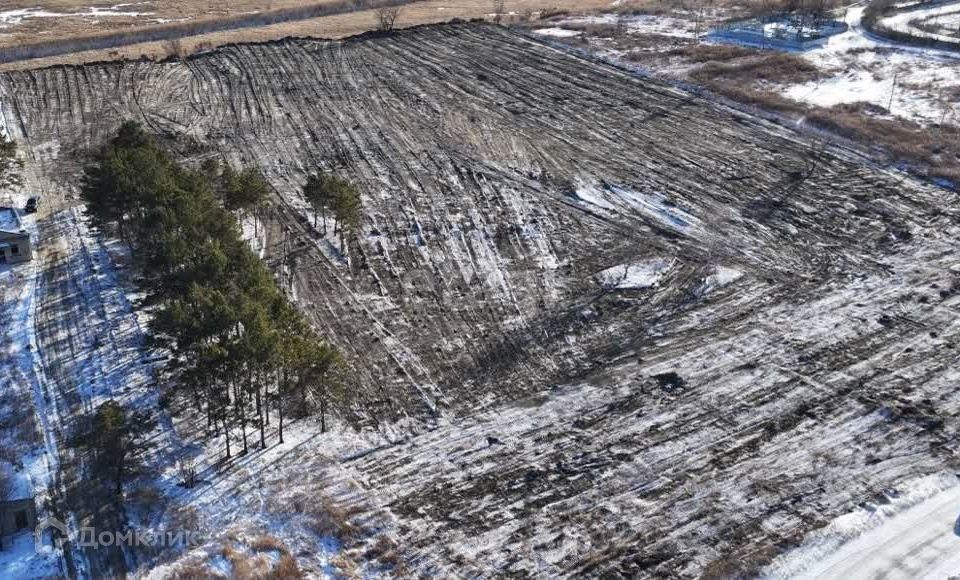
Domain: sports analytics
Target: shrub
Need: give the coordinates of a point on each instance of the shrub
(712, 52)
(779, 67)
(286, 569)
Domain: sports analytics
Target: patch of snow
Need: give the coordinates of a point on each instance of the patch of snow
(10, 18)
(638, 275)
(615, 199)
(914, 530)
(19, 559)
(557, 32)
(638, 24)
(593, 195)
(20, 371)
(721, 276)
(255, 234)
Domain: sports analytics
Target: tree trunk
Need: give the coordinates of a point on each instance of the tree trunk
(118, 491)
(323, 410)
(280, 418)
(301, 385)
(266, 406)
(240, 415)
(226, 434)
(280, 392)
(263, 437)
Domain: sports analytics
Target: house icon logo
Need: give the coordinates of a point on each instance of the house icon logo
(60, 532)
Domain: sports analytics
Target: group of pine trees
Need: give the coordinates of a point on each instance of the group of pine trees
(242, 352)
(327, 192)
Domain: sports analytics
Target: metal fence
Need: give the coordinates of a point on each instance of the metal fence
(777, 33)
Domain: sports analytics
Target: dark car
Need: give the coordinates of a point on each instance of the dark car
(31, 206)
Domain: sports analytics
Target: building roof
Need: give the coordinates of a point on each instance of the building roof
(9, 219)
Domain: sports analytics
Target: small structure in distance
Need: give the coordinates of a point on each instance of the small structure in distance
(18, 510)
(782, 32)
(15, 246)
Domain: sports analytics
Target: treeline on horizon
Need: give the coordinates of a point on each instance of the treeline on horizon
(240, 348)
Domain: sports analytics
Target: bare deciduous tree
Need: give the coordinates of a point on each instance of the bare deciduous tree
(498, 10)
(620, 28)
(387, 18)
(174, 47)
(188, 472)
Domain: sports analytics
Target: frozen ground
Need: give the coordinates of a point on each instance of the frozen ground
(795, 360)
(72, 341)
(912, 535)
(18, 431)
(941, 22)
(915, 84)
(680, 25)
(10, 18)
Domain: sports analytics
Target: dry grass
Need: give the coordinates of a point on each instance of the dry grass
(186, 518)
(150, 13)
(386, 551)
(701, 53)
(932, 152)
(286, 569)
(346, 567)
(777, 67)
(268, 543)
(935, 149)
(325, 517)
(191, 571)
(336, 26)
(18, 426)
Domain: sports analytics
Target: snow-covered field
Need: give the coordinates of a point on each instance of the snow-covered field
(915, 84)
(19, 383)
(620, 330)
(9, 18)
(913, 534)
(680, 25)
(943, 19)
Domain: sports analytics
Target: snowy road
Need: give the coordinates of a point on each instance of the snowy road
(918, 543)
(941, 17)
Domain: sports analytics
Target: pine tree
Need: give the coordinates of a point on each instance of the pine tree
(318, 196)
(346, 206)
(114, 438)
(239, 347)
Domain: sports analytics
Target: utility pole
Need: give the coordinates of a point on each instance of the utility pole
(947, 107)
(893, 90)
(696, 30)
